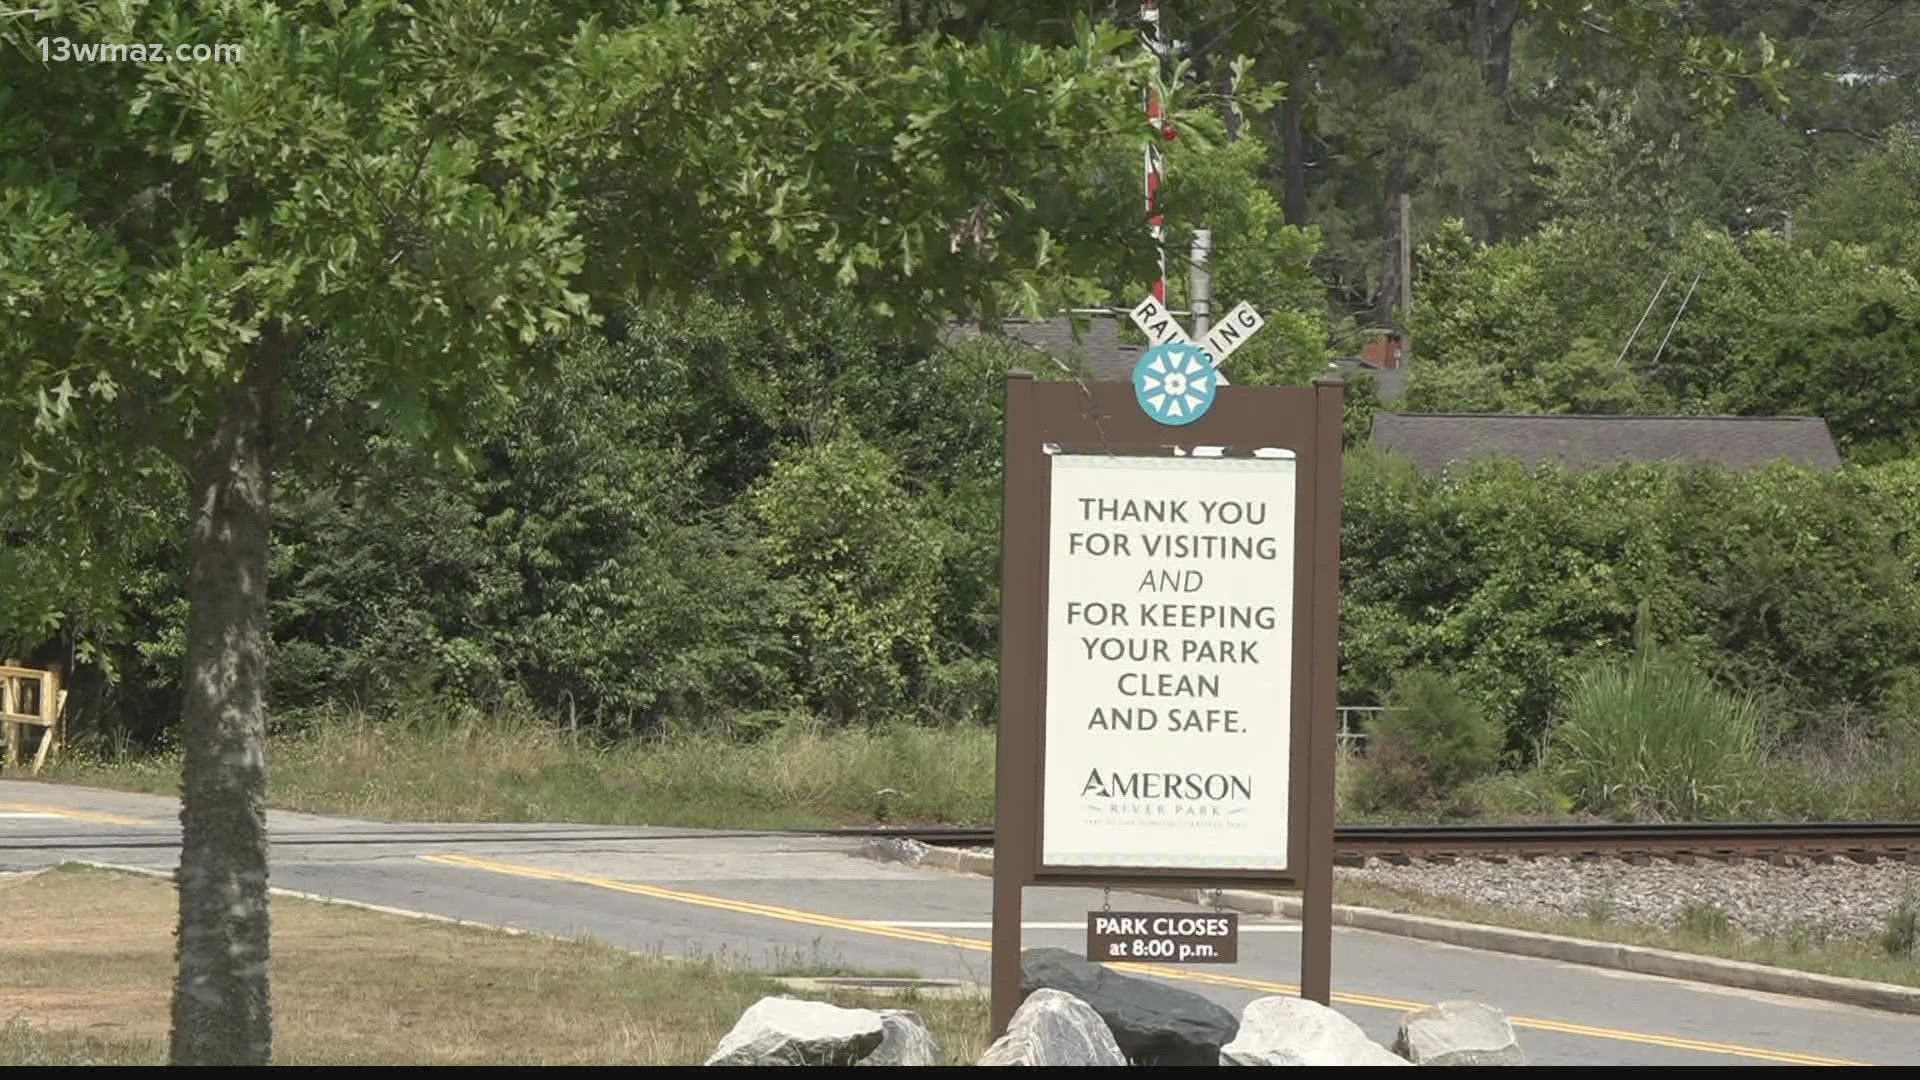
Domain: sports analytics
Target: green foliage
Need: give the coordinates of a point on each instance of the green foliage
(1518, 795)
(1507, 582)
(1429, 742)
(836, 522)
(1706, 920)
(421, 199)
(1902, 714)
(1901, 938)
(657, 533)
(1360, 403)
(599, 557)
(1874, 204)
(434, 187)
(1600, 908)
(1258, 258)
(576, 561)
(1654, 738)
(1543, 325)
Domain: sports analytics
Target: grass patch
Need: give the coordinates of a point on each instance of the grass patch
(89, 966)
(504, 771)
(1703, 931)
(523, 770)
(1901, 938)
(1652, 737)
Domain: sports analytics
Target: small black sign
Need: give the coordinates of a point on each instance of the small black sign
(1163, 937)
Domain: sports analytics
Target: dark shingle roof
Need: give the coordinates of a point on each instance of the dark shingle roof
(1100, 352)
(1434, 440)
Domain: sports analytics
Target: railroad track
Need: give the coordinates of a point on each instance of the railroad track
(1858, 841)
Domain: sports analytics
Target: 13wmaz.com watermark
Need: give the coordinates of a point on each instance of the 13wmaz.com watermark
(64, 50)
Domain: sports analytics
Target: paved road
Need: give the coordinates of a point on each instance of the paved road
(779, 901)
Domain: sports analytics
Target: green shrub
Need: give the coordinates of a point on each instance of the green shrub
(1652, 737)
(1601, 907)
(836, 522)
(1705, 920)
(1902, 715)
(1428, 742)
(1902, 936)
(1784, 580)
(1804, 934)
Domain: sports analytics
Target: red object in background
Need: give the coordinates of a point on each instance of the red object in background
(1382, 351)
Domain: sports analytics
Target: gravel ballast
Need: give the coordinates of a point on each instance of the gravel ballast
(1839, 899)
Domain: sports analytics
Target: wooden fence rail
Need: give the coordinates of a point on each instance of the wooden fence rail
(47, 700)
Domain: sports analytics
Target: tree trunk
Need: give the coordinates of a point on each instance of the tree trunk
(1500, 52)
(1293, 155)
(1494, 23)
(222, 1012)
(1479, 39)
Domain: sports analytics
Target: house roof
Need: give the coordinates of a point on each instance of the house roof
(1435, 440)
(1100, 352)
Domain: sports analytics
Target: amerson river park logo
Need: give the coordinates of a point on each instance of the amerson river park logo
(1184, 796)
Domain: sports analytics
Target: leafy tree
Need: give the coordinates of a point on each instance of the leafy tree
(1258, 258)
(1875, 203)
(421, 192)
(1430, 98)
(1753, 325)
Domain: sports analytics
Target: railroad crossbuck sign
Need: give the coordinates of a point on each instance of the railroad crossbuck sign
(1175, 380)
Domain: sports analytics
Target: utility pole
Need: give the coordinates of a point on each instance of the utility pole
(1200, 282)
(1406, 278)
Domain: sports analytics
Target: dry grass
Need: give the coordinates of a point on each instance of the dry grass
(88, 965)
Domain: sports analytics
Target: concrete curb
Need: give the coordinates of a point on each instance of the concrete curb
(1641, 959)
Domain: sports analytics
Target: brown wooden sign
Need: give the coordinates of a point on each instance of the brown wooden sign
(1168, 642)
(1163, 937)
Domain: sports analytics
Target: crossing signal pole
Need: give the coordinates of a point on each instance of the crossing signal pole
(1153, 36)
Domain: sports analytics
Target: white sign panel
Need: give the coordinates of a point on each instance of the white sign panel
(1150, 315)
(1169, 662)
(1233, 331)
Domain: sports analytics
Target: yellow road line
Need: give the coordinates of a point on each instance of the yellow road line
(859, 926)
(75, 815)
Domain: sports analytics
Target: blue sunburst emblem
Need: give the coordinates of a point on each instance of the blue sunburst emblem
(1174, 382)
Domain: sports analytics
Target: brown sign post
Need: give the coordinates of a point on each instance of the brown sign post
(1167, 656)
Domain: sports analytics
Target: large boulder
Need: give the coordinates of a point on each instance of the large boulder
(790, 1031)
(1053, 1028)
(1154, 1024)
(906, 1041)
(1458, 1033)
(1295, 1031)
